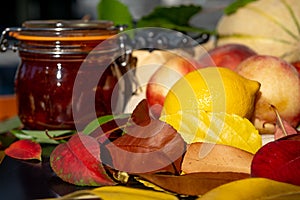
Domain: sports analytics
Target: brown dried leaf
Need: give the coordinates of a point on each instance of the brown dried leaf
(149, 145)
(155, 147)
(194, 183)
(2, 155)
(140, 114)
(205, 157)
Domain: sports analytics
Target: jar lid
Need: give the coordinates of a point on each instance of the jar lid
(65, 30)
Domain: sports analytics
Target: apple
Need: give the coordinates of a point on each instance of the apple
(278, 160)
(228, 55)
(163, 79)
(280, 89)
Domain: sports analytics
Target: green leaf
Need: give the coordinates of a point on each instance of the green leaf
(115, 11)
(93, 125)
(233, 7)
(47, 149)
(41, 136)
(179, 15)
(9, 124)
(176, 18)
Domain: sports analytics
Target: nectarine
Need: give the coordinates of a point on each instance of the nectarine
(280, 87)
(228, 55)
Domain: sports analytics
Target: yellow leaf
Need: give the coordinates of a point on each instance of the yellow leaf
(120, 192)
(254, 189)
(218, 128)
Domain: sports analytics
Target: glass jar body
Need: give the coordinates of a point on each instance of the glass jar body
(46, 94)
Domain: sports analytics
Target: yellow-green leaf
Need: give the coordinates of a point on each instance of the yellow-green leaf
(217, 128)
(120, 192)
(254, 189)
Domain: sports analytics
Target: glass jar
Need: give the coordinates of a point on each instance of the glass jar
(69, 72)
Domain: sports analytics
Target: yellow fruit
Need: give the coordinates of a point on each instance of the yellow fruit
(212, 89)
(269, 27)
(216, 128)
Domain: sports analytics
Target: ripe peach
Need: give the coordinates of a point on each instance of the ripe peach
(228, 55)
(163, 79)
(280, 87)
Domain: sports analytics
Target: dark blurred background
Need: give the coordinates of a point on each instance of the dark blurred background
(15, 12)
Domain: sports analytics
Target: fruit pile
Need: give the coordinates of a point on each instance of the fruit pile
(199, 129)
(202, 100)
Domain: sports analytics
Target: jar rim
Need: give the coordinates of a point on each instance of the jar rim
(67, 24)
(65, 30)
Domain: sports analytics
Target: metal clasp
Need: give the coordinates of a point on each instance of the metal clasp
(124, 45)
(126, 63)
(4, 44)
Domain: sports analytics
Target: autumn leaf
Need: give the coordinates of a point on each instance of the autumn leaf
(253, 188)
(118, 192)
(291, 137)
(217, 128)
(149, 145)
(194, 183)
(141, 115)
(78, 162)
(25, 150)
(2, 155)
(220, 158)
(278, 160)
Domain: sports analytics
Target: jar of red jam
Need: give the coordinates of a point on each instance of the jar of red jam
(71, 72)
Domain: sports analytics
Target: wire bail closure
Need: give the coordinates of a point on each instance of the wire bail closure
(4, 44)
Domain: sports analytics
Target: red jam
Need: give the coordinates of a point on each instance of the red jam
(53, 66)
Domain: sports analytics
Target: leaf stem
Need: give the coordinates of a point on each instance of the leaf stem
(279, 119)
(56, 138)
(111, 131)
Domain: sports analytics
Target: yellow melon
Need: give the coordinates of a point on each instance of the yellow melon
(270, 27)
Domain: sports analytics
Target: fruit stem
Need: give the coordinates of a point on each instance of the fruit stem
(279, 119)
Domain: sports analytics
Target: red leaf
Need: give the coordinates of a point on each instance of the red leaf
(78, 162)
(291, 137)
(25, 150)
(278, 160)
